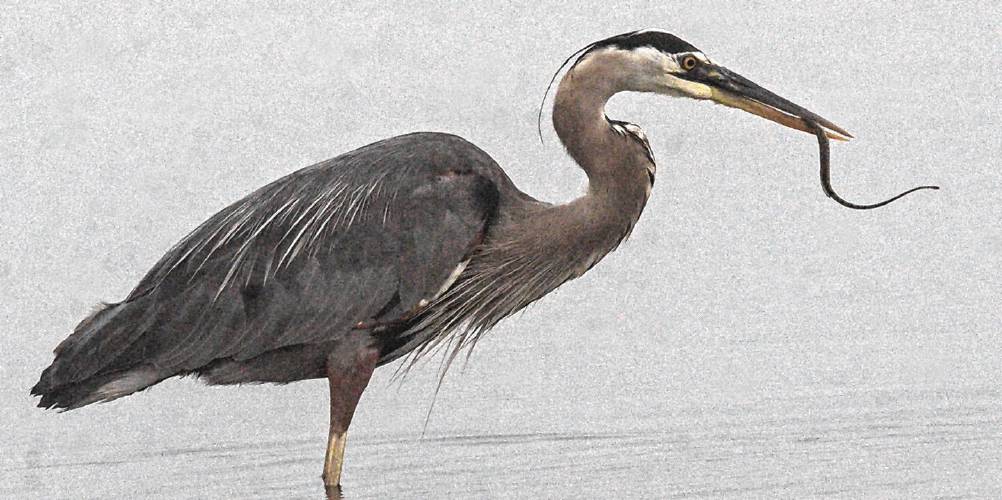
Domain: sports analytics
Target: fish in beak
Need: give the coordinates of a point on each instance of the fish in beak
(704, 80)
(731, 89)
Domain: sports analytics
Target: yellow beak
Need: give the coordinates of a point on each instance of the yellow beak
(770, 113)
(731, 89)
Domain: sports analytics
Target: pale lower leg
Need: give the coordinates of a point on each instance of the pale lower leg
(349, 368)
(334, 459)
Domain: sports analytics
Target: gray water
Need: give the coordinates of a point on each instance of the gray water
(558, 429)
(751, 339)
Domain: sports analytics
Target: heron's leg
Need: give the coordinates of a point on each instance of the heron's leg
(348, 370)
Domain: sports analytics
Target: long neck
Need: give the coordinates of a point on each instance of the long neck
(580, 122)
(617, 167)
(543, 246)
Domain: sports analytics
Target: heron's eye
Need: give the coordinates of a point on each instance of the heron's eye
(689, 62)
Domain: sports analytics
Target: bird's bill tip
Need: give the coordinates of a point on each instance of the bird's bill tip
(771, 113)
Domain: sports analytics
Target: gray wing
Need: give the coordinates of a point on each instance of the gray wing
(364, 236)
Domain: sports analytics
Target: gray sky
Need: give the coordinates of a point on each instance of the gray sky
(124, 127)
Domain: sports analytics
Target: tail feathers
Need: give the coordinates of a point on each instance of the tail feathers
(98, 317)
(87, 368)
(98, 388)
(97, 341)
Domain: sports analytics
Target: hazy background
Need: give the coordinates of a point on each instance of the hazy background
(752, 338)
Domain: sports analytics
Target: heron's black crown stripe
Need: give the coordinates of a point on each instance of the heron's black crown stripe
(665, 42)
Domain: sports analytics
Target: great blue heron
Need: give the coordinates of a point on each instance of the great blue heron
(397, 248)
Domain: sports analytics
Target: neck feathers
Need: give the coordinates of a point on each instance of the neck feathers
(561, 242)
(529, 256)
(615, 155)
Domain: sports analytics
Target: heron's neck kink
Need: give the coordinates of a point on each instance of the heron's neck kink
(580, 123)
(617, 167)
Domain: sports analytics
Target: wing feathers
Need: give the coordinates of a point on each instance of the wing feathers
(300, 261)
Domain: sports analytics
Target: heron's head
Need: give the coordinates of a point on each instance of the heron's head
(655, 61)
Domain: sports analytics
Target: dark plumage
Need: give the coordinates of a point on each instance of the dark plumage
(260, 291)
(665, 42)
